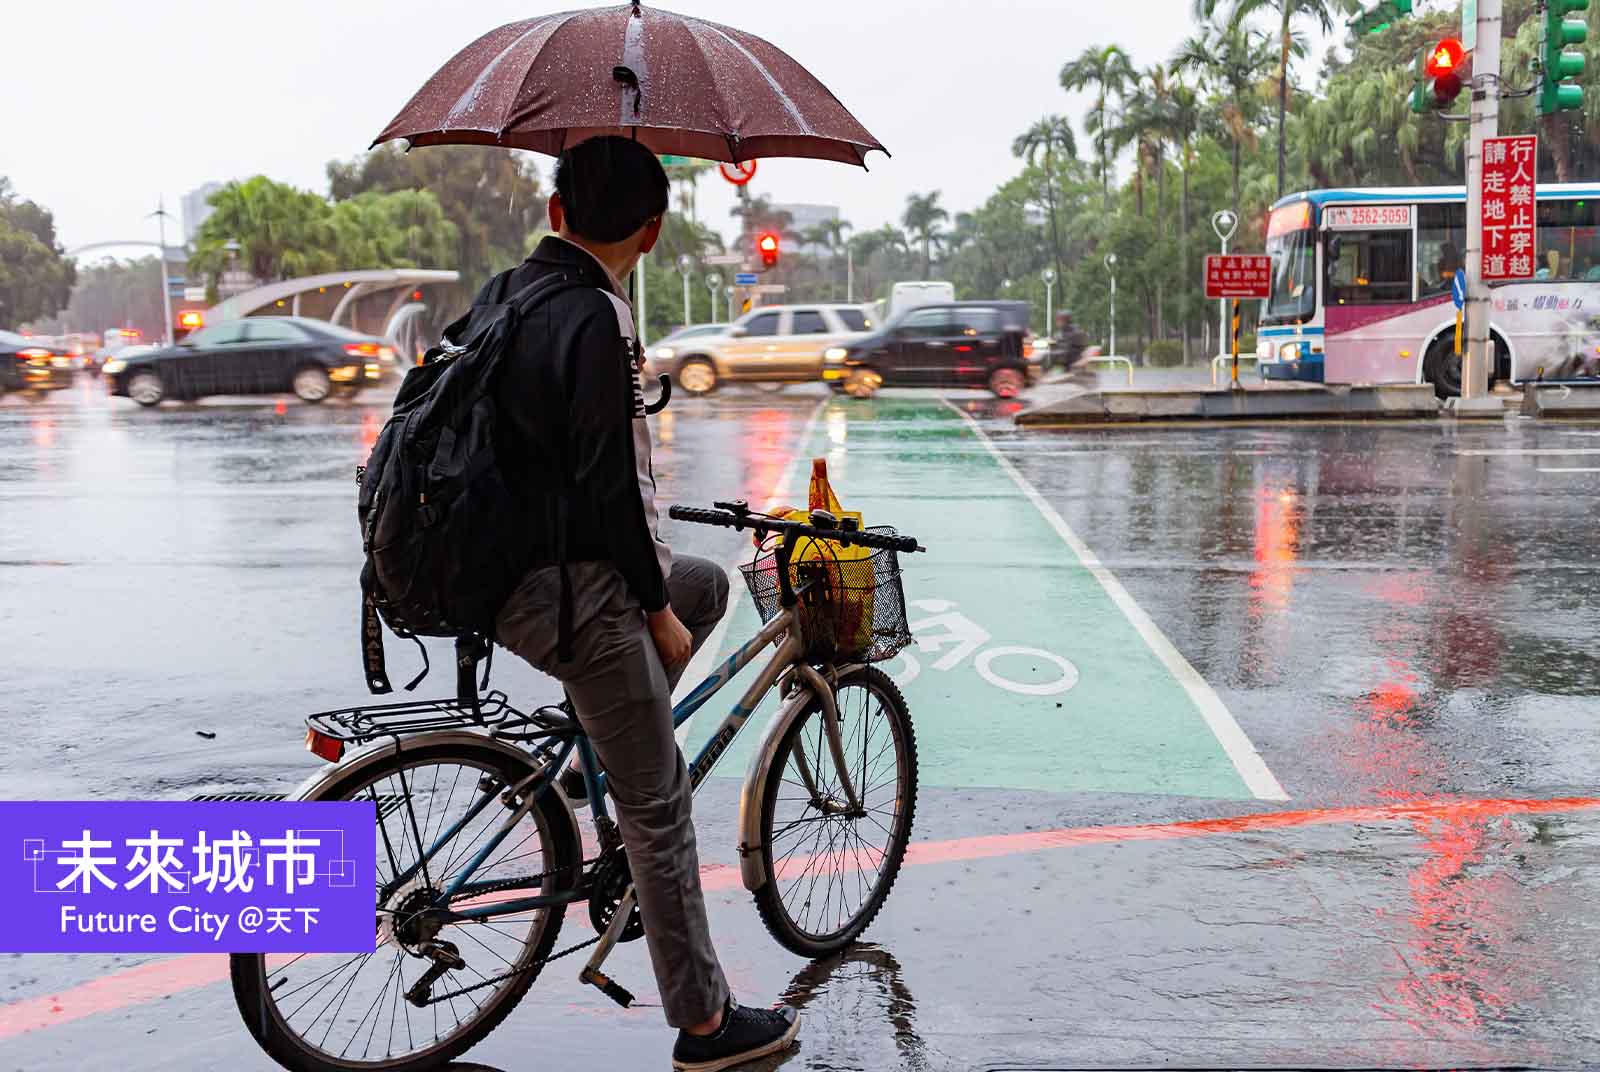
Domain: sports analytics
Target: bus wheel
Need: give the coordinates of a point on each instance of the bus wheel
(1441, 366)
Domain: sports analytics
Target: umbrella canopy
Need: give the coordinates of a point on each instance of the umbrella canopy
(677, 84)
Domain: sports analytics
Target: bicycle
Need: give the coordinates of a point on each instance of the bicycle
(472, 893)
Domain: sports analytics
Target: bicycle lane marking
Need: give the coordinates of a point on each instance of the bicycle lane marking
(161, 980)
(1241, 752)
(1027, 673)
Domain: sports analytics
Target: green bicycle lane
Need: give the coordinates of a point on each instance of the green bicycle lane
(1033, 668)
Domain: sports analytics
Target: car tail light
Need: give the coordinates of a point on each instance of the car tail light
(1027, 346)
(361, 349)
(324, 747)
(34, 353)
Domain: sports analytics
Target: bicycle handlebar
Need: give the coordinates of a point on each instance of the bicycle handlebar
(742, 519)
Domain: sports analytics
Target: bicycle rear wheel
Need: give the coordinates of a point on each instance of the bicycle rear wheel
(827, 870)
(350, 1012)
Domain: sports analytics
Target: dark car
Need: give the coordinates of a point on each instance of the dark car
(256, 356)
(32, 365)
(949, 344)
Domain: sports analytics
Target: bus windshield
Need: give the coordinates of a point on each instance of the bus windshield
(1294, 277)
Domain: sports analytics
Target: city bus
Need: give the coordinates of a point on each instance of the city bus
(1361, 290)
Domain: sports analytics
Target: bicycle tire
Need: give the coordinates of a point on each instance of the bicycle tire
(561, 849)
(769, 898)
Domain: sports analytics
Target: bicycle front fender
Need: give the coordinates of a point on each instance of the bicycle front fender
(812, 684)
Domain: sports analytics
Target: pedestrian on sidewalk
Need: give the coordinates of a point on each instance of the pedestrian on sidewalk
(609, 610)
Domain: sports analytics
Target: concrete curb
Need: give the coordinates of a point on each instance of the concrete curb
(1299, 402)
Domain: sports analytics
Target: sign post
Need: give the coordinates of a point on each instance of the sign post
(1485, 115)
(1234, 276)
(1224, 223)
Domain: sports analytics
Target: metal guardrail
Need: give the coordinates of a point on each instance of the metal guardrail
(1222, 361)
(1110, 359)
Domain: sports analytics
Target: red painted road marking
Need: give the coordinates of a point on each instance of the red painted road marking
(163, 978)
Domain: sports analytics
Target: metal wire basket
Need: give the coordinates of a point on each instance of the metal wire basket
(853, 607)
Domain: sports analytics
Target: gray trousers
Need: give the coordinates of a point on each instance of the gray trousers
(623, 700)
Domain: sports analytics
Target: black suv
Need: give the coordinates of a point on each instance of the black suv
(951, 344)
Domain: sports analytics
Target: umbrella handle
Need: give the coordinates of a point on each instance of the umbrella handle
(666, 395)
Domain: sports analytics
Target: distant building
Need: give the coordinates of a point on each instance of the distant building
(806, 217)
(196, 207)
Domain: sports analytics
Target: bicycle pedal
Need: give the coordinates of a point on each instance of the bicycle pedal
(606, 986)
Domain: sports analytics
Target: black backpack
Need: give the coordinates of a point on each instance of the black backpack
(439, 526)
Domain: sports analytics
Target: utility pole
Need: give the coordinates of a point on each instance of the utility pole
(1485, 112)
(849, 274)
(1111, 266)
(685, 263)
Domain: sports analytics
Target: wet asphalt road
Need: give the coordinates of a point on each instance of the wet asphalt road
(1397, 623)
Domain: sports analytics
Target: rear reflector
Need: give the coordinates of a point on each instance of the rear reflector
(323, 746)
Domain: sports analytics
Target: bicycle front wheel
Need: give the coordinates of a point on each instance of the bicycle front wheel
(437, 806)
(828, 867)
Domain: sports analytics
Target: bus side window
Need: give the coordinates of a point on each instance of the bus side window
(1567, 240)
(1373, 268)
(1441, 240)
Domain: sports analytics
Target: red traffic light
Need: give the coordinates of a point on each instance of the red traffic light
(767, 246)
(1445, 58)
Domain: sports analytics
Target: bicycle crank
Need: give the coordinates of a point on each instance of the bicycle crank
(591, 973)
(446, 958)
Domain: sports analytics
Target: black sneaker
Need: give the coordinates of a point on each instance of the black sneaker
(745, 1035)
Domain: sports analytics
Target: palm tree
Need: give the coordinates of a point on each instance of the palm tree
(1228, 59)
(829, 234)
(922, 219)
(866, 245)
(1323, 12)
(1046, 138)
(1145, 124)
(1107, 71)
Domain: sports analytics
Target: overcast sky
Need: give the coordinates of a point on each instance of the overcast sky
(113, 103)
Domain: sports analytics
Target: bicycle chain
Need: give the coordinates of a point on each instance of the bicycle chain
(499, 887)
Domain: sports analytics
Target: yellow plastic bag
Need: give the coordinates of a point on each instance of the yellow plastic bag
(848, 570)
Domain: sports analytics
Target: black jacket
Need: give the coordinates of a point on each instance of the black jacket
(566, 403)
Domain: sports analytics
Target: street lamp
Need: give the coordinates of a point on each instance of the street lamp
(1049, 277)
(714, 285)
(1224, 223)
(685, 262)
(1111, 266)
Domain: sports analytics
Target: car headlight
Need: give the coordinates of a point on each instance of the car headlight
(663, 353)
(114, 366)
(835, 354)
(1289, 351)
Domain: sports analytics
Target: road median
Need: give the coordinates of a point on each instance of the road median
(1296, 402)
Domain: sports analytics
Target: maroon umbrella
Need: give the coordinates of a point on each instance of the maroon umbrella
(677, 84)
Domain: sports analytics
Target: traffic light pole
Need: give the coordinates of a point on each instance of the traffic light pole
(1479, 356)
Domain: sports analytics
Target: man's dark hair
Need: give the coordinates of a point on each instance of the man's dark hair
(610, 187)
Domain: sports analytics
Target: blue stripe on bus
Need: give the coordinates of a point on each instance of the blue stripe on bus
(1271, 332)
(1402, 194)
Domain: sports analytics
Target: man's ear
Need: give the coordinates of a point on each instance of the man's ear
(652, 235)
(556, 212)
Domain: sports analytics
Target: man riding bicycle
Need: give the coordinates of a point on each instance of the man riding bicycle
(607, 608)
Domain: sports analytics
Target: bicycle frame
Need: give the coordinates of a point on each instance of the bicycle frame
(783, 629)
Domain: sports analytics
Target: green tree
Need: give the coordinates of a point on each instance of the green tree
(403, 229)
(112, 294)
(1228, 60)
(881, 255)
(1048, 137)
(35, 276)
(830, 235)
(1322, 12)
(492, 197)
(923, 219)
(1106, 70)
(283, 232)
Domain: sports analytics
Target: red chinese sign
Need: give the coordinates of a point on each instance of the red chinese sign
(1238, 275)
(1509, 244)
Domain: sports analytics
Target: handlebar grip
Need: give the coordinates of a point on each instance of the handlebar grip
(700, 516)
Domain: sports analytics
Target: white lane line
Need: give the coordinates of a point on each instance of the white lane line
(1569, 469)
(705, 660)
(1527, 452)
(1246, 760)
